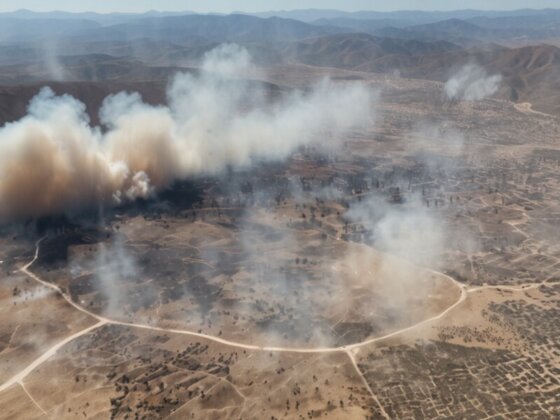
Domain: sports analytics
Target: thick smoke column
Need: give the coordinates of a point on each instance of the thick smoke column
(472, 83)
(53, 161)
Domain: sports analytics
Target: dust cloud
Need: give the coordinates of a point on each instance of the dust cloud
(53, 161)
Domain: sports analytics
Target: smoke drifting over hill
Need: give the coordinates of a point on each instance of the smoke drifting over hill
(472, 83)
(53, 160)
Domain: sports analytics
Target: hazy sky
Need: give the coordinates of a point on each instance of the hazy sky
(262, 5)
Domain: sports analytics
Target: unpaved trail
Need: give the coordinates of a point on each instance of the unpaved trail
(461, 299)
(527, 108)
(366, 384)
(519, 288)
(18, 378)
(32, 399)
(46, 355)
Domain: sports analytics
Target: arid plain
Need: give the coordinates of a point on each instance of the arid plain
(285, 290)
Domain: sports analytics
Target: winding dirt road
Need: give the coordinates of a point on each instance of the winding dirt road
(527, 108)
(350, 349)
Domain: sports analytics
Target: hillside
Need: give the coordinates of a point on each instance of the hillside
(530, 74)
(154, 46)
(363, 52)
(211, 28)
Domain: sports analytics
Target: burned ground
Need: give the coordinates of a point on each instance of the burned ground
(261, 259)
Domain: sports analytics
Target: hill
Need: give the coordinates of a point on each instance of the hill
(530, 74)
(363, 52)
(211, 28)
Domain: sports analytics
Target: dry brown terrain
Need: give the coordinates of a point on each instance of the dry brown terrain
(264, 295)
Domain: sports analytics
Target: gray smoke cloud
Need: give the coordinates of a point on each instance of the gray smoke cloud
(53, 160)
(472, 83)
(49, 52)
(409, 231)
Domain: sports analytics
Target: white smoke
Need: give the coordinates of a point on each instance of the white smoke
(53, 160)
(113, 265)
(49, 52)
(472, 83)
(408, 231)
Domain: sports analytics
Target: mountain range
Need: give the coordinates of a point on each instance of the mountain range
(520, 45)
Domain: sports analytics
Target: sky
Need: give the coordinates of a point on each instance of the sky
(226, 6)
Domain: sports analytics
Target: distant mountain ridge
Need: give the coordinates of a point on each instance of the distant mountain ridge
(455, 30)
(230, 28)
(363, 52)
(530, 74)
(207, 28)
(418, 16)
(462, 26)
(149, 47)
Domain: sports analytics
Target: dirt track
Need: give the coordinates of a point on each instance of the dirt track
(348, 349)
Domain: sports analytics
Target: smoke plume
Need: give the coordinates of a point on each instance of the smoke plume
(53, 160)
(472, 83)
(409, 231)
